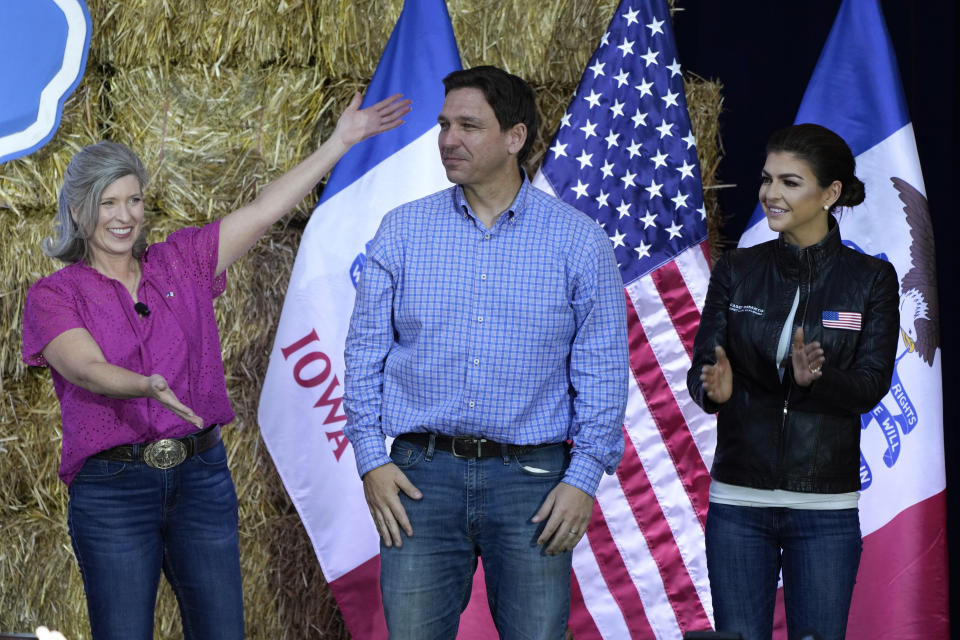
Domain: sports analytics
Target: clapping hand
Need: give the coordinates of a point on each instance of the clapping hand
(807, 360)
(718, 378)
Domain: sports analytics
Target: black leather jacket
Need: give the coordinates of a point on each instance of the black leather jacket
(774, 434)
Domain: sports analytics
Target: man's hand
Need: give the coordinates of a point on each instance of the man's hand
(382, 487)
(567, 512)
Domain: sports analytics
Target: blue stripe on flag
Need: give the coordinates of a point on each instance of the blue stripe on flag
(405, 69)
(855, 87)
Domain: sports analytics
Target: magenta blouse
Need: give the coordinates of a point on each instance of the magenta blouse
(178, 339)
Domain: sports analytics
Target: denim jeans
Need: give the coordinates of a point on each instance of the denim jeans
(128, 522)
(469, 508)
(818, 551)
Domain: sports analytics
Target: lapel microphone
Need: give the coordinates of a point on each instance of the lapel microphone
(141, 309)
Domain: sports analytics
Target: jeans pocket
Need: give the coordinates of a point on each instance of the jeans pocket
(95, 469)
(406, 454)
(544, 462)
(215, 456)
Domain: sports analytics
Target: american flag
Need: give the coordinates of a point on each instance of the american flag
(626, 156)
(841, 320)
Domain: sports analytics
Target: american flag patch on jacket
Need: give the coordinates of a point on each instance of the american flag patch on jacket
(842, 320)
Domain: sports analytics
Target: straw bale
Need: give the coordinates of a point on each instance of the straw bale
(343, 38)
(705, 103)
(32, 181)
(540, 42)
(132, 33)
(37, 571)
(195, 129)
(22, 263)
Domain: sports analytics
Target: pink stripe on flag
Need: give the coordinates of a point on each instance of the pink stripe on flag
(666, 414)
(902, 586)
(616, 576)
(677, 583)
(358, 594)
(678, 302)
(581, 622)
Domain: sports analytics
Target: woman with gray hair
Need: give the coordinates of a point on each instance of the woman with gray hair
(131, 339)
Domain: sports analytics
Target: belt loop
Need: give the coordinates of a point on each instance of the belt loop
(505, 452)
(431, 446)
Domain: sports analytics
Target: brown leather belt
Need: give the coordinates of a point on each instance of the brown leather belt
(166, 453)
(469, 447)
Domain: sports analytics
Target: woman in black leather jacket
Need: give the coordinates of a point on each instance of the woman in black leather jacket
(798, 337)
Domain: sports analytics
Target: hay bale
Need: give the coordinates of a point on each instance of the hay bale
(196, 131)
(540, 42)
(705, 103)
(23, 263)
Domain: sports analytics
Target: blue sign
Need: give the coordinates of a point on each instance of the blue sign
(43, 53)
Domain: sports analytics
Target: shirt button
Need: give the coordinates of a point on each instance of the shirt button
(472, 404)
(483, 276)
(479, 318)
(476, 362)
(486, 236)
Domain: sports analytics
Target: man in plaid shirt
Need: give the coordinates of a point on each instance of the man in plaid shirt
(489, 339)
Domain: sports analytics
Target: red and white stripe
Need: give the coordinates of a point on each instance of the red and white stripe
(641, 570)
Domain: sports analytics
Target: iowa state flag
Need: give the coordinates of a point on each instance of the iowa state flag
(855, 90)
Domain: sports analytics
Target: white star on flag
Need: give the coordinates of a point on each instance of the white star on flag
(650, 57)
(655, 27)
(644, 88)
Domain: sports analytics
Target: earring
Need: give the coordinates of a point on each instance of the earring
(826, 208)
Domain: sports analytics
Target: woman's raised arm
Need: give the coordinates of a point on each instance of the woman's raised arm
(240, 229)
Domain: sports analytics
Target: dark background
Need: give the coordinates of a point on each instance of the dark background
(764, 53)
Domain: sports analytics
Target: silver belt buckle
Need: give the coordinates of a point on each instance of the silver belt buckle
(164, 454)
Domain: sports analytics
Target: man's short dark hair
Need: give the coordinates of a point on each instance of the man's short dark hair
(510, 97)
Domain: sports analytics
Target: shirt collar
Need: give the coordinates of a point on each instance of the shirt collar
(515, 210)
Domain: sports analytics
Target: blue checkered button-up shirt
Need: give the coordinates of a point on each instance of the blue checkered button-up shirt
(515, 333)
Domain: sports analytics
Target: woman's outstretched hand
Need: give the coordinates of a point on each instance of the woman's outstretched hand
(807, 360)
(718, 378)
(356, 124)
(160, 391)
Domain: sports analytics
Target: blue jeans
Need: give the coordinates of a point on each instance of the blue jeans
(129, 521)
(469, 508)
(818, 551)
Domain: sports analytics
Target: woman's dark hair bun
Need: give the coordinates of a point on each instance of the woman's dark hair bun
(853, 193)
